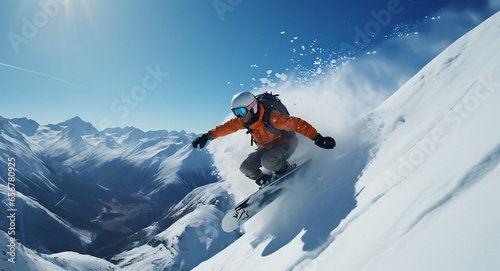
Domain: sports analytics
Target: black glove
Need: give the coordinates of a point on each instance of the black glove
(201, 141)
(324, 142)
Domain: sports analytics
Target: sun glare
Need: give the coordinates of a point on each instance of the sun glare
(71, 7)
(72, 10)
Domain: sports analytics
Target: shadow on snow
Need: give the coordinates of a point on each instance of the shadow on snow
(322, 195)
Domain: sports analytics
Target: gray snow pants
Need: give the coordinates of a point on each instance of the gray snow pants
(273, 159)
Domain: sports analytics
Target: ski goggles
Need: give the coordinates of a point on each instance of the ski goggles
(243, 111)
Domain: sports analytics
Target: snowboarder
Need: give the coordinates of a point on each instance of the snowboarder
(273, 148)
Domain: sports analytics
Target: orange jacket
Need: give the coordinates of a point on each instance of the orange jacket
(262, 137)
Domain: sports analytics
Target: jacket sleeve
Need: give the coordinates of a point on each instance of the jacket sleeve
(228, 127)
(291, 123)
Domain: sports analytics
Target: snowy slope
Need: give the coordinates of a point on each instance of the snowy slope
(193, 238)
(426, 197)
(27, 259)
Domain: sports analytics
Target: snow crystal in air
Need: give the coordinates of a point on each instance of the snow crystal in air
(281, 76)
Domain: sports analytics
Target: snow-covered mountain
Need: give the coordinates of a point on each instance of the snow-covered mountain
(89, 191)
(411, 185)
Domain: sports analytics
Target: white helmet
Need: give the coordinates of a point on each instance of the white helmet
(242, 103)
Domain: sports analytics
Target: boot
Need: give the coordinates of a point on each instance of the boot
(264, 180)
(288, 167)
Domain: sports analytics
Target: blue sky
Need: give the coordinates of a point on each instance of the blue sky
(175, 65)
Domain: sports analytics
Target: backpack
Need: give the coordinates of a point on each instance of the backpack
(271, 102)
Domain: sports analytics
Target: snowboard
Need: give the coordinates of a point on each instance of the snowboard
(257, 201)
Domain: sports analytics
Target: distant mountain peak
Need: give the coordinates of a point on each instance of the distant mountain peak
(26, 126)
(75, 125)
(74, 121)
